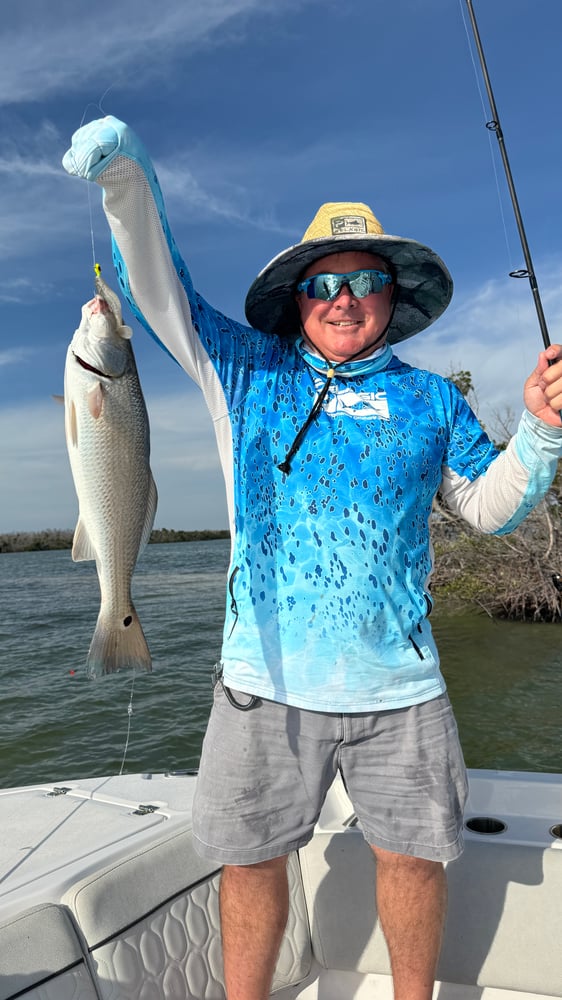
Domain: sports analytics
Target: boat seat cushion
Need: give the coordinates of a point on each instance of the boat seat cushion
(504, 911)
(504, 903)
(41, 957)
(112, 898)
(338, 872)
(152, 926)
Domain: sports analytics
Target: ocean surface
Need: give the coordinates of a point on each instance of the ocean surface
(504, 679)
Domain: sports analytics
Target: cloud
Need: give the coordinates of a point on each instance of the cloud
(35, 214)
(181, 179)
(29, 153)
(184, 461)
(37, 217)
(493, 332)
(22, 290)
(14, 355)
(206, 179)
(105, 40)
(182, 433)
(31, 213)
(33, 463)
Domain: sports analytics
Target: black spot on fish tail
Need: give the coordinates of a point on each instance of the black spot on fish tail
(127, 621)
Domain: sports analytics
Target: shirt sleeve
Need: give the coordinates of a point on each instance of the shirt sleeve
(512, 483)
(156, 282)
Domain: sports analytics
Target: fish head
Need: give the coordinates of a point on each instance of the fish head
(100, 320)
(102, 340)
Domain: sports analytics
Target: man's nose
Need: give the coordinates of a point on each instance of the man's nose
(345, 295)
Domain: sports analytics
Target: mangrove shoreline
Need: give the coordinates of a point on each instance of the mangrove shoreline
(517, 577)
(45, 541)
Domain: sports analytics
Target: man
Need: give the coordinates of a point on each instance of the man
(332, 451)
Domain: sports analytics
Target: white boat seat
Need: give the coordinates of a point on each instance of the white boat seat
(504, 911)
(503, 923)
(151, 923)
(41, 957)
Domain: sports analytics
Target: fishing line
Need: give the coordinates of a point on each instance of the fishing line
(92, 238)
(130, 716)
(493, 155)
(494, 125)
(96, 268)
(490, 143)
(98, 105)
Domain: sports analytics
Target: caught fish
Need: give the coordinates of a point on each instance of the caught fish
(107, 436)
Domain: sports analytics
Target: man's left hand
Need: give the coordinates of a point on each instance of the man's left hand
(543, 389)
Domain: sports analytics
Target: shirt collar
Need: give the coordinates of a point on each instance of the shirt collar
(374, 362)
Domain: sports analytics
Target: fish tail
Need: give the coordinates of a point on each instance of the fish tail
(118, 645)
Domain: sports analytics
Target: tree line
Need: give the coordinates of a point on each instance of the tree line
(37, 541)
(516, 576)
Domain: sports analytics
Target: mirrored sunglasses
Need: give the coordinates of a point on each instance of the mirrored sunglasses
(360, 283)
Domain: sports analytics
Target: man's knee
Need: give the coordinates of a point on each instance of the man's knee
(256, 892)
(261, 871)
(407, 864)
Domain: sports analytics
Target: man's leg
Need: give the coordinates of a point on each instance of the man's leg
(405, 775)
(263, 778)
(254, 906)
(411, 903)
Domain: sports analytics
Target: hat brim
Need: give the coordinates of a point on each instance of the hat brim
(424, 285)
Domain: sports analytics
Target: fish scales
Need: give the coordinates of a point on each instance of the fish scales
(108, 441)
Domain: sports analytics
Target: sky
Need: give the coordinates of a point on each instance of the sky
(255, 112)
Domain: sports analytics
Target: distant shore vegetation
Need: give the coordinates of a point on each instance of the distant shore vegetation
(38, 541)
(517, 577)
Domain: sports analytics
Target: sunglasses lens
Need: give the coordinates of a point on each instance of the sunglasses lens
(361, 284)
(328, 286)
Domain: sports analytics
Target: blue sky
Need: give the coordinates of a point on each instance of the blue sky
(255, 112)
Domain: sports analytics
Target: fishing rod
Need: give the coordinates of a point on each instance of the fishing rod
(494, 126)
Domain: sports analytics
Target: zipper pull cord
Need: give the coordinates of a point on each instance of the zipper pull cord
(285, 466)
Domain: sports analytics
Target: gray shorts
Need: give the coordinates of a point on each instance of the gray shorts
(265, 772)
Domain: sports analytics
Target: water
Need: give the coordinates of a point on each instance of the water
(503, 678)
(57, 723)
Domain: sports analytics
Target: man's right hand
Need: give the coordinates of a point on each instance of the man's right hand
(96, 144)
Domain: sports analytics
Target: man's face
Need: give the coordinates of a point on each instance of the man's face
(346, 327)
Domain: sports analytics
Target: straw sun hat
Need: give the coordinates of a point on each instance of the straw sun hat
(424, 285)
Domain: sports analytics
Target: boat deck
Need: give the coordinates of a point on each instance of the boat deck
(103, 896)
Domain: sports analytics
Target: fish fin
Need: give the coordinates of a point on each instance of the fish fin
(151, 505)
(58, 399)
(118, 646)
(82, 548)
(95, 400)
(72, 425)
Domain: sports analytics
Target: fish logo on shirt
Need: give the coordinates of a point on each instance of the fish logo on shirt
(360, 405)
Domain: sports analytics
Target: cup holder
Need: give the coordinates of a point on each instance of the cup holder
(485, 824)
